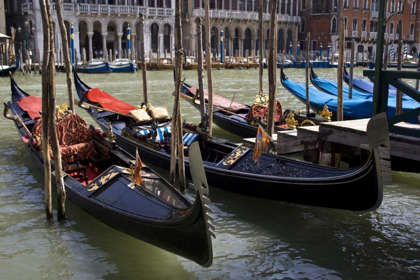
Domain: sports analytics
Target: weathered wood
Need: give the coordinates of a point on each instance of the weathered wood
(176, 135)
(351, 68)
(272, 67)
(66, 54)
(308, 42)
(209, 66)
(398, 109)
(143, 58)
(158, 60)
(340, 73)
(199, 25)
(40, 62)
(45, 7)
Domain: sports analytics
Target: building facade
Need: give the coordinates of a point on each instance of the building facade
(99, 25)
(237, 21)
(321, 18)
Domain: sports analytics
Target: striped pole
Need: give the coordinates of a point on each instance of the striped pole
(72, 42)
(128, 42)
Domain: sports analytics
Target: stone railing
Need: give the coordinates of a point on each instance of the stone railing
(105, 9)
(243, 15)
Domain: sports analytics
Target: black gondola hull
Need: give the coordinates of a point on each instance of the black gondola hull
(345, 190)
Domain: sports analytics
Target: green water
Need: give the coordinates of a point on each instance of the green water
(256, 238)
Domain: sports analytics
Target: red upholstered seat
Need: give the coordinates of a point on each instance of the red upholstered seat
(74, 136)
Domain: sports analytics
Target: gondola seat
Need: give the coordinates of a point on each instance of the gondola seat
(74, 137)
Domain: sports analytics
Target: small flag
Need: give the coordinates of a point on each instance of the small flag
(391, 53)
(137, 170)
(261, 141)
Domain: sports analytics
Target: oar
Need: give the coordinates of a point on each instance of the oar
(15, 118)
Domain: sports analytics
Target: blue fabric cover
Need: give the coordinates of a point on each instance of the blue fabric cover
(160, 132)
(189, 138)
(357, 108)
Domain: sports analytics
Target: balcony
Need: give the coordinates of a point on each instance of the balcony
(411, 37)
(106, 9)
(373, 35)
(364, 34)
(374, 14)
(391, 37)
(242, 15)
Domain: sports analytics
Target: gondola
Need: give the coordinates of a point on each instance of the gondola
(234, 116)
(365, 85)
(96, 65)
(232, 168)
(352, 108)
(123, 65)
(6, 69)
(98, 180)
(331, 87)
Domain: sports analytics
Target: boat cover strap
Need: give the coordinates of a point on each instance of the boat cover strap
(220, 101)
(32, 105)
(109, 102)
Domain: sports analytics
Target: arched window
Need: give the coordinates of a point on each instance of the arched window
(354, 24)
(391, 28)
(412, 29)
(334, 25)
(302, 25)
(392, 6)
(364, 22)
(303, 5)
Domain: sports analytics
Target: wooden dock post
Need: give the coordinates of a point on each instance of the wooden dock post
(199, 25)
(340, 73)
(308, 41)
(261, 45)
(209, 67)
(272, 67)
(40, 62)
(247, 58)
(177, 146)
(143, 58)
(351, 68)
(398, 109)
(66, 55)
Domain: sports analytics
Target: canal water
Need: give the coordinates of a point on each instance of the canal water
(256, 238)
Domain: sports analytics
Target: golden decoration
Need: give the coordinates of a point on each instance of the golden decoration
(307, 123)
(104, 179)
(326, 114)
(94, 187)
(110, 134)
(235, 155)
(290, 120)
(261, 98)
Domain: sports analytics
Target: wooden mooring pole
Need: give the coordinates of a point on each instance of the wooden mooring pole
(209, 66)
(261, 45)
(272, 66)
(340, 73)
(143, 58)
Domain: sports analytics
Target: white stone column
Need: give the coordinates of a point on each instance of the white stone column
(104, 50)
(120, 34)
(133, 45)
(160, 43)
(90, 35)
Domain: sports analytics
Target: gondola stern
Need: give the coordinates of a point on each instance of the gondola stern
(198, 176)
(379, 143)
